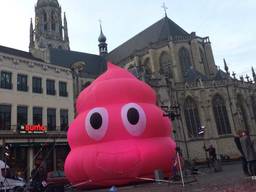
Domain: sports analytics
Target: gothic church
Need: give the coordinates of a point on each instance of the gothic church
(207, 105)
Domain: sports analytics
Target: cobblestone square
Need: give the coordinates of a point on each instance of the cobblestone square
(231, 179)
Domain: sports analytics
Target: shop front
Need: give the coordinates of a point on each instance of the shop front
(25, 151)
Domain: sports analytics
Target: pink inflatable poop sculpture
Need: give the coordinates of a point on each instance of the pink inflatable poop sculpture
(119, 134)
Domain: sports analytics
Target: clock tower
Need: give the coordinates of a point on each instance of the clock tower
(48, 31)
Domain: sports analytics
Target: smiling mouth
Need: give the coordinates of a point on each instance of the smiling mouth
(120, 163)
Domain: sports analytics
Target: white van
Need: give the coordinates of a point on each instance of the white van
(8, 181)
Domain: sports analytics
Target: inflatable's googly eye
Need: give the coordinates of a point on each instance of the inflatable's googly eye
(134, 118)
(96, 123)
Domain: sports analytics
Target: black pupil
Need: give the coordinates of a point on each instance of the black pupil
(133, 116)
(96, 120)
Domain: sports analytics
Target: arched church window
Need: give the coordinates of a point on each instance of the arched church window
(165, 65)
(253, 99)
(185, 60)
(45, 26)
(45, 16)
(53, 21)
(45, 20)
(221, 115)
(192, 117)
(146, 70)
(241, 113)
(147, 66)
(202, 57)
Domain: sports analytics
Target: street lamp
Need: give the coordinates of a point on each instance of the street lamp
(174, 112)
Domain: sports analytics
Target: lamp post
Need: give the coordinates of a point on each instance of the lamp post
(174, 112)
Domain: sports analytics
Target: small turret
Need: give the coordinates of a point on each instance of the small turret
(31, 36)
(225, 66)
(103, 46)
(66, 38)
(234, 75)
(253, 75)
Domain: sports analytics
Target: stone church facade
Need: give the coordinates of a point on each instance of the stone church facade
(208, 104)
(211, 105)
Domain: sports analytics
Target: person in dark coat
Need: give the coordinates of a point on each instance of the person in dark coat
(249, 152)
(212, 153)
(212, 157)
(239, 147)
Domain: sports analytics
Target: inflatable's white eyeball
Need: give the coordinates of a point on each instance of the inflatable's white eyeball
(134, 118)
(96, 123)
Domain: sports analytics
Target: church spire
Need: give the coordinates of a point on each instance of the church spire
(103, 46)
(66, 38)
(253, 75)
(31, 35)
(225, 66)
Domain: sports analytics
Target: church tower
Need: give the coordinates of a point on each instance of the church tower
(48, 31)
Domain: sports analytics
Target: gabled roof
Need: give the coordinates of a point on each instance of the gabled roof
(18, 53)
(94, 64)
(159, 31)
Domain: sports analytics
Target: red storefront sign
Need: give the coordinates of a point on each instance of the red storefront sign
(33, 129)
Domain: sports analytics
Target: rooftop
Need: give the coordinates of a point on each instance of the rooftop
(162, 30)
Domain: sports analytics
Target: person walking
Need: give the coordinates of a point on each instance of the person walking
(212, 157)
(212, 152)
(237, 137)
(249, 152)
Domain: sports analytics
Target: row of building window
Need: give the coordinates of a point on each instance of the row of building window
(22, 84)
(22, 117)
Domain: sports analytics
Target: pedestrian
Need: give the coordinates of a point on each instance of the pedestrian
(212, 155)
(212, 152)
(249, 152)
(237, 137)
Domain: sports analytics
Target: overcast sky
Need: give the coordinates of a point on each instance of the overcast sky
(230, 24)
